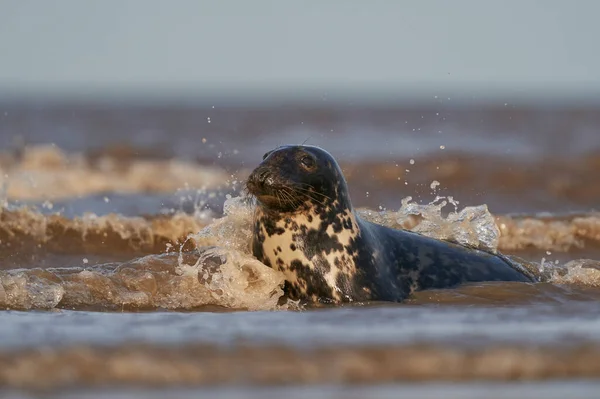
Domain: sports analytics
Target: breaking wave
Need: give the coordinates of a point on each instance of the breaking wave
(186, 262)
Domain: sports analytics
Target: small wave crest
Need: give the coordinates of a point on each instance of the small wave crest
(45, 172)
(247, 365)
(473, 226)
(183, 281)
(25, 229)
(189, 263)
(549, 232)
(225, 275)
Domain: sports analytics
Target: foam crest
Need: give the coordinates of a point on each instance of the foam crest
(209, 277)
(224, 274)
(47, 172)
(234, 230)
(472, 226)
(476, 226)
(578, 272)
(29, 290)
(29, 229)
(221, 270)
(26, 228)
(240, 280)
(549, 233)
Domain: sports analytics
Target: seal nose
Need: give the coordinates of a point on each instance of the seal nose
(263, 176)
(260, 179)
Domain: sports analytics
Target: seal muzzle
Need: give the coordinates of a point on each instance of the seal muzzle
(261, 181)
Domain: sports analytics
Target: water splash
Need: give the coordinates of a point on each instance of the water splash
(577, 272)
(22, 289)
(220, 272)
(233, 230)
(472, 226)
(209, 277)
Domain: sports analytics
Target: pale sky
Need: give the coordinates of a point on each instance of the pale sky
(196, 47)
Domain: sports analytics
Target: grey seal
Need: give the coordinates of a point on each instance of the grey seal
(305, 226)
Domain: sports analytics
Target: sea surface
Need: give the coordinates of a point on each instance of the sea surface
(108, 288)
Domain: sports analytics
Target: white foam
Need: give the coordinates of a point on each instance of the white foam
(472, 226)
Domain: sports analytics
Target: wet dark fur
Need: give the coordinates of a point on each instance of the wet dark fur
(301, 189)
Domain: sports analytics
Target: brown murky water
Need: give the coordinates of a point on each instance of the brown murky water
(98, 201)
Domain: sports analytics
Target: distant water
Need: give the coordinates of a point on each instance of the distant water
(98, 202)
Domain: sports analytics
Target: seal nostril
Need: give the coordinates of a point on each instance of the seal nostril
(264, 176)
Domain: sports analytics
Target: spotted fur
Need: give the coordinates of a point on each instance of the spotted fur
(305, 226)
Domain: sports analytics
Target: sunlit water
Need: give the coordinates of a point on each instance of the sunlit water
(104, 288)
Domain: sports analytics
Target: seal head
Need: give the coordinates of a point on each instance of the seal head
(305, 226)
(298, 178)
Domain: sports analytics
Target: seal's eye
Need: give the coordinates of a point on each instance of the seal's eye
(307, 161)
